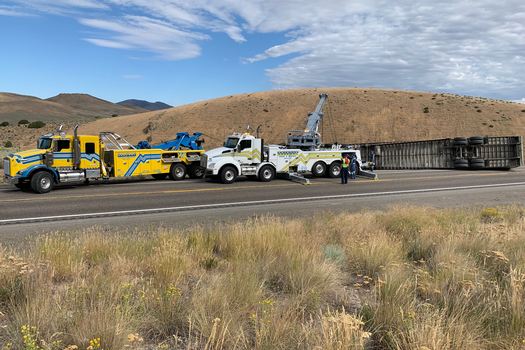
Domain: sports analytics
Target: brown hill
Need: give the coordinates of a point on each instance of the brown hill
(351, 116)
(15, 107)
(61, 108)
(90, 106)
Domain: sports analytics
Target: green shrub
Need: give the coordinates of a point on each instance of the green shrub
(37, 125)
(8, 144)
(23, 122)
(425, 110)
(4, 124)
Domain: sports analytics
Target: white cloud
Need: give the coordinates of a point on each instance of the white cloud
(143, 33)
(475, 48)
(11, 11)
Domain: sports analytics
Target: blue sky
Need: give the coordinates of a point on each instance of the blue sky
(179, 52)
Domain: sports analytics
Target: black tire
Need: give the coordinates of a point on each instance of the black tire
(477, 163)
(159, 176)
(42, 182)
(228, 174)
(177, 171)
(334, 170)
(476, 140)
(461, 164)
(196, 171)
(460, 141)
(266, 173)
(318, 169)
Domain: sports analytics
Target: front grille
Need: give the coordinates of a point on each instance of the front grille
(204, 161)
(7, 168)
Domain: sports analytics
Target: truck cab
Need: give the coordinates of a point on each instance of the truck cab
(53, 161)
(240, 155)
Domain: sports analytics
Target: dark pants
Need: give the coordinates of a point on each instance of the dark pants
(352, 174)
(344, 175)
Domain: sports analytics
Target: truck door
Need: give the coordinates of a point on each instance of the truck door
(247, 151)
(90, 157)
(62, 153)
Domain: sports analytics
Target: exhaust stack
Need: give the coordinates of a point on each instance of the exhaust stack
(76, 148)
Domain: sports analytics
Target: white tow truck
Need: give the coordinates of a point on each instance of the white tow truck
(246, 155)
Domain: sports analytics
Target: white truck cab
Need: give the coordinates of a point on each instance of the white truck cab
(247, 155)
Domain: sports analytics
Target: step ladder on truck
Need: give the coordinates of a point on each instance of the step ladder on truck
(69, 158)
(246, 155)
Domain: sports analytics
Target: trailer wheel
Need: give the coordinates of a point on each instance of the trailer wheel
(476, 140)
(42, 182)
(461, 164)
(460, 141)
(195, 171)
(266, 173)
(477, 163)
(228, 174)
(319, 169)
(334, 170)
(159, 176)
(177, 171)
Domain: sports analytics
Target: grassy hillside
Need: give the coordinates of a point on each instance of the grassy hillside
(408, 278)
(352, 115)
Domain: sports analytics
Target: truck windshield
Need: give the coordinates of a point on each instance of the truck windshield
(231, 142)
(44, 143)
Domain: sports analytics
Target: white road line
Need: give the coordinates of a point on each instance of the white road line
(246, 203)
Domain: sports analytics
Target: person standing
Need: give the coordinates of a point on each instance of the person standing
(345, 162)
(353, 167)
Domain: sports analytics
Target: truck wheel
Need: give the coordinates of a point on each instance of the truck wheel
(159, 176)
(195, 172)
(319, 169)
(177, 171)
(461, 164)
(266, 173)
(334, 170)
(42, 182)
(477, 164)
(228, 174)
(476, 140)
(460, 141)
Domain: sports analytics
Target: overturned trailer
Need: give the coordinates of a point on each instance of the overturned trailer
(477, 152)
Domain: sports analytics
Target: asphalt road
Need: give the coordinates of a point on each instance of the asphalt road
(146, 203)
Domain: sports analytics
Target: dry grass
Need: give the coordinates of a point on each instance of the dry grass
(408, 278)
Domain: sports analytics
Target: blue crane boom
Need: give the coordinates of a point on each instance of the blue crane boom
(183, 140)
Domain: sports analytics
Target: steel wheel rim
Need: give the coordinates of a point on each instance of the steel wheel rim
(336, 170)
(319, 168)
(45, 183)
(178, 172)
(267, 173)
(229, 175)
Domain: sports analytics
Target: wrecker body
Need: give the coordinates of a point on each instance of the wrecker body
(66, 158)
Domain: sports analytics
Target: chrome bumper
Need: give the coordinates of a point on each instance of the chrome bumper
(12, 180)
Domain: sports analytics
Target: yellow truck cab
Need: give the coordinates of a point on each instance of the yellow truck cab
(63, 158)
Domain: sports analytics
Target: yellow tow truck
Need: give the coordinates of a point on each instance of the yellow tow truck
(66, 158)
